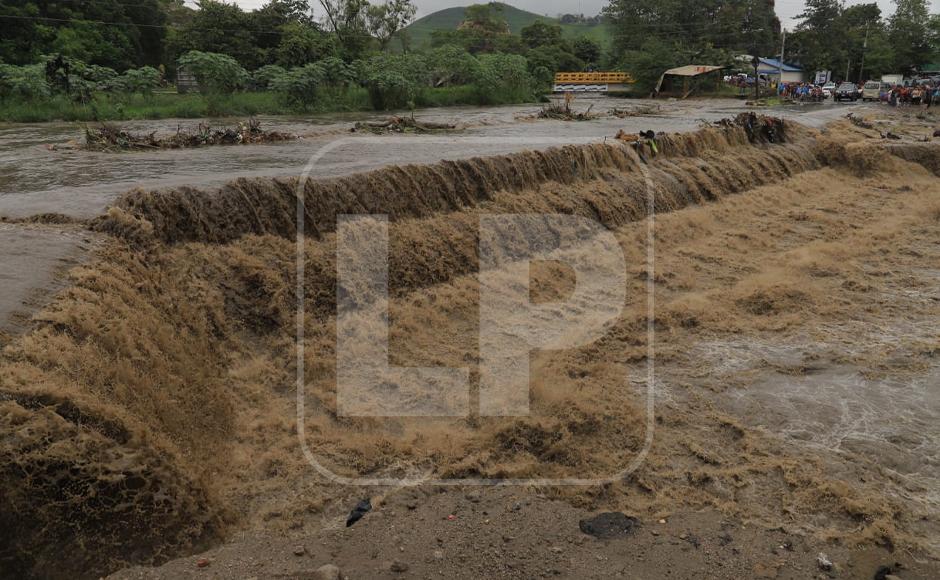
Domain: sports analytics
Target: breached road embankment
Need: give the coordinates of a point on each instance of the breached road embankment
(150, 409)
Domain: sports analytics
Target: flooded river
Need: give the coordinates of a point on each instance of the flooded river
(35, 179)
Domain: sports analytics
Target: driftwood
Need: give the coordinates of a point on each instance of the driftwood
(634, 112)
(403, 125)
(563, 112)
(859, 121)
(107, 137)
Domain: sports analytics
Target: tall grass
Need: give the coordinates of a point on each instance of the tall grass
(122, 107)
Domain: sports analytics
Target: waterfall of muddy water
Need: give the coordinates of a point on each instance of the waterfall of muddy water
(151, 411)
(39, 173)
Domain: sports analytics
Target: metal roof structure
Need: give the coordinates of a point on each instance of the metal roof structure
(773, 65)
(689, 70)
(692, 70)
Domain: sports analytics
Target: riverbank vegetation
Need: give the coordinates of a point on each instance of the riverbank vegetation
(111, 60)
(292, 64)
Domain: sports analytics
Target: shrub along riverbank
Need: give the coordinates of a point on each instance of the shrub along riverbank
(75, 91)
(126, 107)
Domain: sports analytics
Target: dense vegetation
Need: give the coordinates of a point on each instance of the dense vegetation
(109, 58)
(278, 59)
(418, 34)
(858, 39)
(649, 37)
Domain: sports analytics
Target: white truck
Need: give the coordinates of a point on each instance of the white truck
(892, 79)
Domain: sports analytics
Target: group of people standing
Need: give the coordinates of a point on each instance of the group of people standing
(800, 92)
(926, 94)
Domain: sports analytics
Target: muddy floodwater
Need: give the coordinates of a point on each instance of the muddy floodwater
(776, 415)
(35, 179)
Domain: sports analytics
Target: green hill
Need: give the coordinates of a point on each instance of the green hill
(449, 18)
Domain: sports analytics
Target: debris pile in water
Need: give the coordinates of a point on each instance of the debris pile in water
(563, 112)
(641, 111)
(109, 137)
(759, 128)
(402, 125)
(859, 121)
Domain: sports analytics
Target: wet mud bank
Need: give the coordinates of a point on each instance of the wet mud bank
(150, 411)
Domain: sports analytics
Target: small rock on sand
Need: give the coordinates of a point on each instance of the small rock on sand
(608, 525)
(328, 572)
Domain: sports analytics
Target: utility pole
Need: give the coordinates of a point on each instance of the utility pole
(756, 63)
(861, 69)
(848, 65)
(783, 47)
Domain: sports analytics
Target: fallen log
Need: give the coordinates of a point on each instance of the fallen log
(107, 137)
(403, 125)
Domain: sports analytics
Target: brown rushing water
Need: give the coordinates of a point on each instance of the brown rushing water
(34, 179)
(795, 315)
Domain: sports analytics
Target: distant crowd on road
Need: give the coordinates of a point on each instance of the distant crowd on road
(920, 92)
(913, 95)
(801, 92)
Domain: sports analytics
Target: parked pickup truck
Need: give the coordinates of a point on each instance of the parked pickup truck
(846, 92)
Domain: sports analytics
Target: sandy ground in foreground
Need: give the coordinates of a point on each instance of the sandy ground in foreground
(500, 533)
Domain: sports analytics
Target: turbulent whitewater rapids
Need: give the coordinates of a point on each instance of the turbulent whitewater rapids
(150, 412)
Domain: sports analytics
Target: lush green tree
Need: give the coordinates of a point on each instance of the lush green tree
(819, 41)
(301, 44)
(93, 43)
(856, 41)
(749, 26)
(909, 33)
(485, 16)
(394, 81)
(336, 73)
(218, 27)
(933, 32)
(262, 79)
(347, 19)
(554, 58)
(866, 48)
(23, 82)
(386, 20)
(300, 86)
(451, 65)
(587, 50)
(647, 63)
(541, 33)
(140, 80)
(150, 18)
(216, 73)
(503, 78)
(269, 22)
(104, 32)
(482, 30)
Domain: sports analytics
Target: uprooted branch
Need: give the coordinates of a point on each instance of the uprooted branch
(108, 137)
(403, 125)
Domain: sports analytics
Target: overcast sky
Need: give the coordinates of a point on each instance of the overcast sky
(786, 9)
